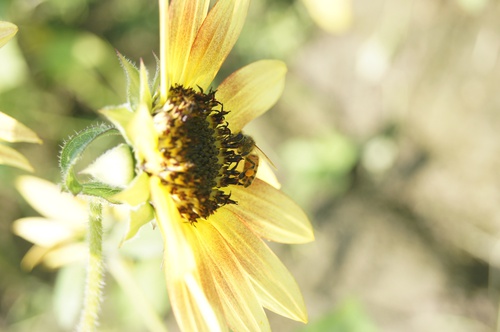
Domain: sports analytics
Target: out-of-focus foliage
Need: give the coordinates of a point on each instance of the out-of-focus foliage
(387, 134)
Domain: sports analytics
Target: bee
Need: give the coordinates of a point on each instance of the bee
(248, 150)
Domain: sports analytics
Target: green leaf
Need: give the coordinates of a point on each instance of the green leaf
(72, 152)
(144, 88)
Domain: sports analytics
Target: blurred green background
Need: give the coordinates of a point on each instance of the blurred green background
(388, 134)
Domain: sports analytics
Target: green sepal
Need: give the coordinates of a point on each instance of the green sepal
(120, 116)
(155, 84)
(133, 81)
(138, 218)
(72, 152)
(137, 191)
(144, 88)
(99, 189)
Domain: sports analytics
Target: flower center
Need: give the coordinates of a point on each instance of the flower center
(200, 154)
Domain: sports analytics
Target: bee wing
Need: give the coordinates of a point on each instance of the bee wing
(261, 154)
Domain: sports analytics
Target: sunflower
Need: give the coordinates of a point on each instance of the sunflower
(198, 174)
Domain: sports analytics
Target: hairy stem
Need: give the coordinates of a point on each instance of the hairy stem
(95, 271)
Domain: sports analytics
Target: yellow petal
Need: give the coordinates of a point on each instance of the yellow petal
(270, 213)
(33, 257)
(215, 39)
(49, 201)
(10, 157)
(12, 130)
(189, 303)
(186, 17)
(273, 283)
(242, 308)
(266, 173)
(66, 254)
(7, 31)
(251, 91)
(43, 232)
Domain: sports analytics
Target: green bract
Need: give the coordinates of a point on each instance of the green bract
(115, 176)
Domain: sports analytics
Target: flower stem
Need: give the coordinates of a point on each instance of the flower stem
(95, 271)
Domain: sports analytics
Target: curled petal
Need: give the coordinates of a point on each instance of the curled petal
(270, 213)
(250, 91)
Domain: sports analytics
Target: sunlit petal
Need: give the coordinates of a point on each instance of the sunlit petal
(49, 201)
(33, 257)
(251, 91)
(238, 298)
(274, 284)
(266, 173)
(214, 41)
(43, 232)
(7, 31)
(270, 213)
(66, 254)
(12, 130)
(189, 303)
(186, 17)
(10, 157)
